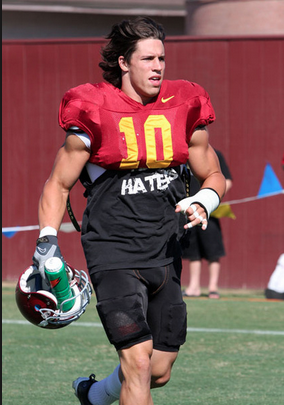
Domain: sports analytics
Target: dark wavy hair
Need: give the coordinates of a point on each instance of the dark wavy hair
(122, 42)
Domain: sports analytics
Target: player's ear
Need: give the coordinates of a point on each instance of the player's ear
(122, 63)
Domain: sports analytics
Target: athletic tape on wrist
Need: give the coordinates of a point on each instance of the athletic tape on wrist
(47, 230)
(206, 197)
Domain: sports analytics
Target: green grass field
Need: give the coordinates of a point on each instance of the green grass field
(234, 354)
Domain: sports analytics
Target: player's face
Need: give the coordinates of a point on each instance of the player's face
(143, 76)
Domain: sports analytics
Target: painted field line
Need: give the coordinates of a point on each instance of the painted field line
(203, 330)
(244, 331)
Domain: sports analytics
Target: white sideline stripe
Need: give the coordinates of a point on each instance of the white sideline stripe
(244, 331)
(203, 330)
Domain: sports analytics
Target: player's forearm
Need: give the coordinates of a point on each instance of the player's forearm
(52, 205)
(217, 182)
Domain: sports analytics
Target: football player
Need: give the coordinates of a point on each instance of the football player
(128, 139)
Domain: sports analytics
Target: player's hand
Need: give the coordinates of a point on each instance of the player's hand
(196, 215)
(198, 207)
(46, 247)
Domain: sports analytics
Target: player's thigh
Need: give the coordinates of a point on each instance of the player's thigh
(167, 317)
(122, 306)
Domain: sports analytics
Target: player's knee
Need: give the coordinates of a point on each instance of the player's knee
(141, 362)
(160, 380)
(143, 365)
(136, 362)
(162, 363)
(138, 373)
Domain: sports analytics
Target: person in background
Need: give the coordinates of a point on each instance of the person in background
(128, 139)
(275, 287)
(206, 245)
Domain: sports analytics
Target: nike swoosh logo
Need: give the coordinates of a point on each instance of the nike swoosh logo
(164, 100)
(42, 251)
(50, 252)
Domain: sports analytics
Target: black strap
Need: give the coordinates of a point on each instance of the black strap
(72, 216)
(186, 179)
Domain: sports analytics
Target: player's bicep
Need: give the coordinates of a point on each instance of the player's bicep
(203, 160)
(69, 162)
(85, 138)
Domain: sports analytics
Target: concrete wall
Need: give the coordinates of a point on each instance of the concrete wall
(31, 25)
(234, 17)
(42, 19)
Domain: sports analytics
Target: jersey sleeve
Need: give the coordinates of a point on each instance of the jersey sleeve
(79, 107)
(200, 109)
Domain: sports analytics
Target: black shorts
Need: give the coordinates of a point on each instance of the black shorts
(140, 305)
(206, 244)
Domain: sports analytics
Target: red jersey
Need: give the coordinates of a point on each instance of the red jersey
(130, 219)
(125, 134)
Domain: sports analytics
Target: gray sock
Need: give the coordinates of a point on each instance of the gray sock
(106, 391)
